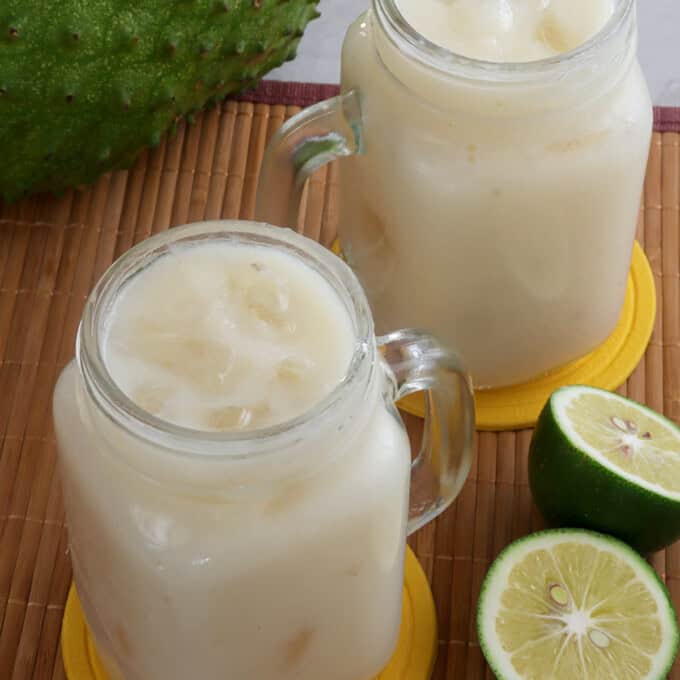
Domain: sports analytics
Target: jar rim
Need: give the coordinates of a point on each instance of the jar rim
(446, 62)
(123, 411)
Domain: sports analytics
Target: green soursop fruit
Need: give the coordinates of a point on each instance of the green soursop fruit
(86, 84)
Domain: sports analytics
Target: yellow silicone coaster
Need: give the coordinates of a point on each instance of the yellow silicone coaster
(413, 659)
(608, 367)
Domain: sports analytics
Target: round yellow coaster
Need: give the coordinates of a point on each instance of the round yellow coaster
(413, 659)
(607, 367)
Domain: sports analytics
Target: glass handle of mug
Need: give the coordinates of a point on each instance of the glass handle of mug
(420, 363)
(312, 138)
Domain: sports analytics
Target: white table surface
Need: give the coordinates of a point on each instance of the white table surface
(659, 21)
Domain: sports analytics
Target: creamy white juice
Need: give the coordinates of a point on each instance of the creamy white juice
(218, 337)
(240, 561)
(507, 30)
(497, 208)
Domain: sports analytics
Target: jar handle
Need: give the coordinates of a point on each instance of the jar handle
(420, 363)
(312, 138)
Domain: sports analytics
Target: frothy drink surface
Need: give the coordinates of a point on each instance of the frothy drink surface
(507, 30)
(223, 337)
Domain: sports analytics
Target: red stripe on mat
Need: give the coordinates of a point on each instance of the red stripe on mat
(666, 119)
(289, 93)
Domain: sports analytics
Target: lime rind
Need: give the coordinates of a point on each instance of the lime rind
(573, 489)
(563, 397)
(497, 581)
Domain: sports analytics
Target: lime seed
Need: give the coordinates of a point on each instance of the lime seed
(559, 595)
(598, 638)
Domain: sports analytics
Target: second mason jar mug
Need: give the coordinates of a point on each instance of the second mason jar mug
(493, 204)
(259, 554)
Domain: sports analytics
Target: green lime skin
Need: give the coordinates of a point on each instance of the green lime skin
(572, 489)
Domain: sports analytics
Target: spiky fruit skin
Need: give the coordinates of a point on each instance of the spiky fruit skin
(85, 85)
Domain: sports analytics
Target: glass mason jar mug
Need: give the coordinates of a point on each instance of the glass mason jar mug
(493, 204)
(258, 554)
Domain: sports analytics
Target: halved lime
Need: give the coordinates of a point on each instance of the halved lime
(570, 604)
(603, 462)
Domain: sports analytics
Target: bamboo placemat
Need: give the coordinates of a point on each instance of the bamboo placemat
(53, 250)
